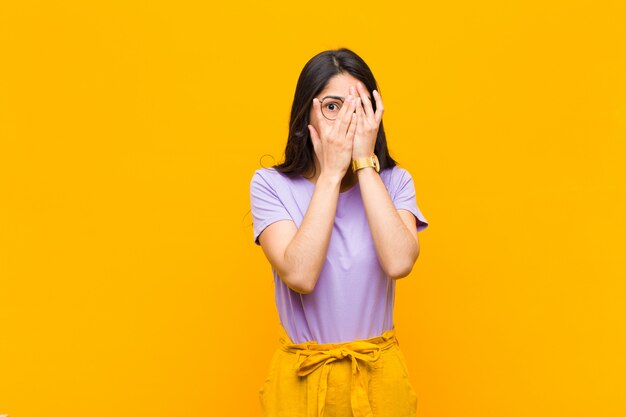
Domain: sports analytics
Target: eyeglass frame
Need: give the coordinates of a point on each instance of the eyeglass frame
(340, 98)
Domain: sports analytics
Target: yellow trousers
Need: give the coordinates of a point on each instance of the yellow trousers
(362, 378)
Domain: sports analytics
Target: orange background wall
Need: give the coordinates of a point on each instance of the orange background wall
(129, 132)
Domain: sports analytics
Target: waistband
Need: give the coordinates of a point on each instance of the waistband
(312, 355)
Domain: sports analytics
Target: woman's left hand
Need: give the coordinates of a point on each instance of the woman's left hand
(368, 121)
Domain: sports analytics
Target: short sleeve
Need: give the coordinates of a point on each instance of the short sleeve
(265, 205)
(404, 197)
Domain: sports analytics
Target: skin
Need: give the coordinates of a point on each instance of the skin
(298, 254)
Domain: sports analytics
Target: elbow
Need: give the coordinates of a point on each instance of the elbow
(303, 285)
(399, 271)
(303, 288)
(401, 268)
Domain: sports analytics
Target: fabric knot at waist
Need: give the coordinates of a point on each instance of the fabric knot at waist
(312, 356)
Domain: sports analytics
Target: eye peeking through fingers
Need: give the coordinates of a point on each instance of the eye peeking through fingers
(331, 105)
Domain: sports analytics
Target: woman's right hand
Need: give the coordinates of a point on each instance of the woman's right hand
(333, 139)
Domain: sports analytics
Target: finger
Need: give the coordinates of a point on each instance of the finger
(345, 119)
(344, 109)
(317, 109)
(379, 106)
(367, 101)
(352, 128)
(315, 137)
(360, 112)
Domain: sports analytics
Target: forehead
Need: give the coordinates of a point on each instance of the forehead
(339, 85)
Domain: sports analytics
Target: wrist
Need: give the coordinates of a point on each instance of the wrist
(362, 155)
(366, 169)
(369, 161)
(365, 172)
(330, 179)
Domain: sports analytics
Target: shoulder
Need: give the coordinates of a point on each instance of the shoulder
(394, 172)
(393, 177)
(266, 175)
(272, 178)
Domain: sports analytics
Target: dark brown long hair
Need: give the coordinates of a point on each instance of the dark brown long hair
(313, 79)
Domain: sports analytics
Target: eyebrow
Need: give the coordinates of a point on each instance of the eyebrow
(337, 97)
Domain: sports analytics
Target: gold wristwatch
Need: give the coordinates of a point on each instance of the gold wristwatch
(370, 161)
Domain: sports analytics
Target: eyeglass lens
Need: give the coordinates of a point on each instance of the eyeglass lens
(331, 107)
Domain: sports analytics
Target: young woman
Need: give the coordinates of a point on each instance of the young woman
(338, 222)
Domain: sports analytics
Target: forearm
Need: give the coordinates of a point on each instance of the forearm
(306, 253)
(397, 249)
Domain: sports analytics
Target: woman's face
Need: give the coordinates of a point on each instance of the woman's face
(338, 86)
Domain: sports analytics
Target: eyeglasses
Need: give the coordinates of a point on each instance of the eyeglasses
(331, 106)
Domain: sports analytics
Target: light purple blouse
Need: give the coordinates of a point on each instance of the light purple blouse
(353, 298)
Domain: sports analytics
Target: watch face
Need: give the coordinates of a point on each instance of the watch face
(375, 161)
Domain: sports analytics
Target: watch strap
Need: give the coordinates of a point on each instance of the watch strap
(369, 161)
